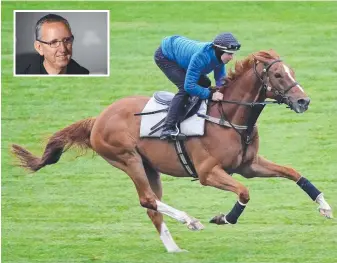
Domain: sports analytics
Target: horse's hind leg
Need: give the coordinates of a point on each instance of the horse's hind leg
(135, 169)
(156, 217)
(131, 163)
(262, 167)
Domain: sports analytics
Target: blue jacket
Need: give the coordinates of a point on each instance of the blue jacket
(197, 58)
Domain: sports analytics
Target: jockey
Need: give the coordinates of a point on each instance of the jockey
(186, 63)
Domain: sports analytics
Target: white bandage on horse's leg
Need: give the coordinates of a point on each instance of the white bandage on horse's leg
(167, 239)
(172, 212)
(322, 203)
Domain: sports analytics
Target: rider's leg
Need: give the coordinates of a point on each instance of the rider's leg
(177, 76)
(174, 115)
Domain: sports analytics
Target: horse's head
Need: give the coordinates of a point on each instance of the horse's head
(279, 81)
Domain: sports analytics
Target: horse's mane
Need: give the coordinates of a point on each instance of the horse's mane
(242, 66)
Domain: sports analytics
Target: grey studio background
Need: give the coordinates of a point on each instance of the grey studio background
(90, 48)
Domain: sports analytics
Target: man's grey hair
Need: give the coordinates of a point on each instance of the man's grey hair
(48, 19)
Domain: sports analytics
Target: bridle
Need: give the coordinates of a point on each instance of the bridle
(264, 78)
(258, 105)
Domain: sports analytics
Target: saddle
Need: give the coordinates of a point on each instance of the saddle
(155, 111)
(153, 118)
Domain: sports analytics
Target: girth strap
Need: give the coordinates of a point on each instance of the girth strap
(184, 158)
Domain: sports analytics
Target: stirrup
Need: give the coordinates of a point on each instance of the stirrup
(170, 136)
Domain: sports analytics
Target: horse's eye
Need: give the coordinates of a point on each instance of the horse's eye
(278, 75)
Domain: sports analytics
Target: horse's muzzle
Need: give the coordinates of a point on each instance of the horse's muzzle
(299, 105)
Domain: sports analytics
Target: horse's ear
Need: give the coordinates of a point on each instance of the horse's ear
(273, 53)
(255, 57)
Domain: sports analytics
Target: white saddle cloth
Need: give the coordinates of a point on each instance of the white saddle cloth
(193, 126)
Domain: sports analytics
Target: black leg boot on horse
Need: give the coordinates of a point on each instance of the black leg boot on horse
(171, 129)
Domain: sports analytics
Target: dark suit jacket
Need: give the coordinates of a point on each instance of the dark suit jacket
(33, 64)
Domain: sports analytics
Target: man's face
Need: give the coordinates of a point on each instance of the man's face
(226, 57)
(60, 56)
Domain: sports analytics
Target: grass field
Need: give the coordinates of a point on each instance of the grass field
(82, 210)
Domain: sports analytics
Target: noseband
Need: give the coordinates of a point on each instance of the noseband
(280, 95)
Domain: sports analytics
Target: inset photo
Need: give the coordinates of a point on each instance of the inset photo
(61, 42)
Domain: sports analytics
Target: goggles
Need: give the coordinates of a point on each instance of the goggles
(231, 48)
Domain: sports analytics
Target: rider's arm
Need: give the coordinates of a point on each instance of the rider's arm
(197, 63)
(219, 74)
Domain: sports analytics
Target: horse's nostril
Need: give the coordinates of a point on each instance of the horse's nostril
(303, 102)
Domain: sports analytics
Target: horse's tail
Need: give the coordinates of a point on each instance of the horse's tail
(77, 134)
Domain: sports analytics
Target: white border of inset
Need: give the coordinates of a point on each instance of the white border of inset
(66, 11)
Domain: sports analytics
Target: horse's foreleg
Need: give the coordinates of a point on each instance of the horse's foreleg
(262, 167)
(220, 179)
(156, 217)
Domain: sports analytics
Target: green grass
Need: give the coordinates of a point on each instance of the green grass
(82, 210)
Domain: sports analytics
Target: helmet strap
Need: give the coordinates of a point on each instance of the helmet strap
(218, 53)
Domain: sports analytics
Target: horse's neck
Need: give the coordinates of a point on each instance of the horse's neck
(244, 89)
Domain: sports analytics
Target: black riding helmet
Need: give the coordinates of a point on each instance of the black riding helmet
(225, 43)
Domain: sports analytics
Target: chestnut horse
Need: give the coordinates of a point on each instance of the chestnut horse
(114, 135)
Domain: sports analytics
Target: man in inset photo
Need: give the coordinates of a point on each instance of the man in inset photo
(54, 45)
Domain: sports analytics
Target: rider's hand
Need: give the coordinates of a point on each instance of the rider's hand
(217, 96)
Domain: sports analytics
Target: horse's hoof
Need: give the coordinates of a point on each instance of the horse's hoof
(219, 220)
(195, 225)
(326, 213)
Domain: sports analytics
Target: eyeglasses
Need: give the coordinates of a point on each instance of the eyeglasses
(56, 43)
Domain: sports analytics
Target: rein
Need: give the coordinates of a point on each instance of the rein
(250, 104)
